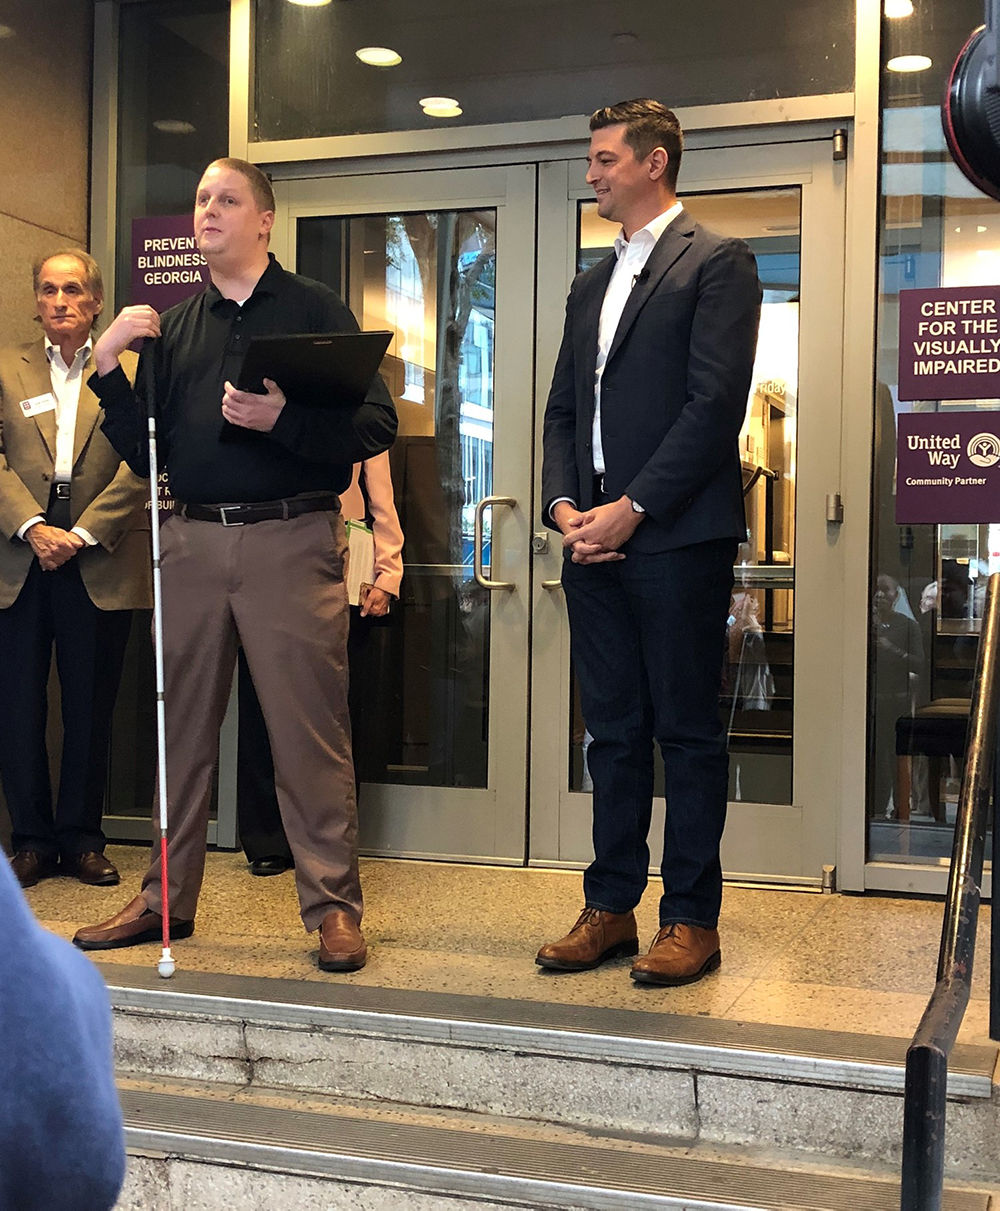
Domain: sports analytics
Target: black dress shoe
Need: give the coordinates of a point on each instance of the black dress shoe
(274, 865)
(92, 868)
(29, 866)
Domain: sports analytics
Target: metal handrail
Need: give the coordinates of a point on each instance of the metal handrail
(770, 479)
(758, 471)
(927, 1057)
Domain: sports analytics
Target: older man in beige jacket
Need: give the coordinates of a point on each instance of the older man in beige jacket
(74, 564)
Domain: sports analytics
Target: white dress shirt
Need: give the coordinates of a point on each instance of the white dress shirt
(632, 257)
(66, 382)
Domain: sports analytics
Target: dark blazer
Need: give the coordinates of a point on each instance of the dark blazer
(673, 393)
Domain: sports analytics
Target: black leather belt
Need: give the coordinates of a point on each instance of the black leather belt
(59, 511)
(261, 510)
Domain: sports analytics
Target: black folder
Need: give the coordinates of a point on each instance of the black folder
(325, 369)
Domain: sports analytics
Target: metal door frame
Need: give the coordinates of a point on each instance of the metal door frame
(763, 842)
(453, 823)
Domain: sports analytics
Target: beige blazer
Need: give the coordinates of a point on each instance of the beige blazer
(107, 499)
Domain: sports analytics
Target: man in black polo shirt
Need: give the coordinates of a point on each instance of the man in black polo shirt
(254, 553)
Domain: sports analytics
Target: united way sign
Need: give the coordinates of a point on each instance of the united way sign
(948, 467)
(949, 343)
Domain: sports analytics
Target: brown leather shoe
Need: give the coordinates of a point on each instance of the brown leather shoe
(596, 937)
(341, 944)
(29, 866)
(680, 954)
(135, 923)
(92, 868)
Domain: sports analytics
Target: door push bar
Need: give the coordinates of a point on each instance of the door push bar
(477, 543)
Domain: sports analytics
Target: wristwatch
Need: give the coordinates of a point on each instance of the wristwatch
(636, 507)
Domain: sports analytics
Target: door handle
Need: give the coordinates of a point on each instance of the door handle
(477, 543)
(540, 546)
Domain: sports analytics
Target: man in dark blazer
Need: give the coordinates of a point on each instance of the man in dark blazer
(74, 564)
(641, 474)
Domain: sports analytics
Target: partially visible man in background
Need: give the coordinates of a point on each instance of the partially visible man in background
(74, 564)
(369, 499)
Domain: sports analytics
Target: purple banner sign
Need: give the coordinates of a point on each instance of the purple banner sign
(166, 269)
(949, 343)
(948, 467)
(166, 264)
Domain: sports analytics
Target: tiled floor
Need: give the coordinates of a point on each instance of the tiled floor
(791, 958)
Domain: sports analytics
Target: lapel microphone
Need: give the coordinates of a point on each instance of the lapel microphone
(640, 277)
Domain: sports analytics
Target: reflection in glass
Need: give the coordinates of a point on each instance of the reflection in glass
(758, 660)
(173, 111)
(430, 278)
(927, 581)
(508, 61)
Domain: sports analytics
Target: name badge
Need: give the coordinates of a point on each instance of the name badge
(38, 404)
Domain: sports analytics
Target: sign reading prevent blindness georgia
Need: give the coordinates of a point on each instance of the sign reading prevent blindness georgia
(166, 264)
(949, 343)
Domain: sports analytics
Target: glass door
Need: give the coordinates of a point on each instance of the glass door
(780, 702)
(446, 261)
(472, 727)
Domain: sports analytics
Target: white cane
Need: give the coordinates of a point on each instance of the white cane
(166, 965)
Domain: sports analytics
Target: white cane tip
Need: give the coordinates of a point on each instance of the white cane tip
(166, 967)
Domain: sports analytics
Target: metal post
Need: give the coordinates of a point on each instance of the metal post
(994, 906)
(769, 478)
(925, 1105)
(923, 1130)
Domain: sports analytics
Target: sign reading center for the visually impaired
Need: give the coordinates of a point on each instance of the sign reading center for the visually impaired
(948, 467)
(949, 343)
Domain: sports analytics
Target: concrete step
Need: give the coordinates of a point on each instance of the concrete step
(667, 1076)
(204, 1146)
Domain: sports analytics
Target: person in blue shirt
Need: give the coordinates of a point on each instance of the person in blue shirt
(61, 1138)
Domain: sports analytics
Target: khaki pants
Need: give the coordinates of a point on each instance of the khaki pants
(278, 588)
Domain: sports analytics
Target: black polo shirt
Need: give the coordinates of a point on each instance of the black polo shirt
(200, 347)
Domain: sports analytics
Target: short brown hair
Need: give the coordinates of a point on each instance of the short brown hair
(648, 124)
(259, 184)
(91, 270)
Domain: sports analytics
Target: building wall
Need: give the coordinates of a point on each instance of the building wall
(45, 72)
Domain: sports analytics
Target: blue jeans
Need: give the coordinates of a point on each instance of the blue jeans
(647, 638)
